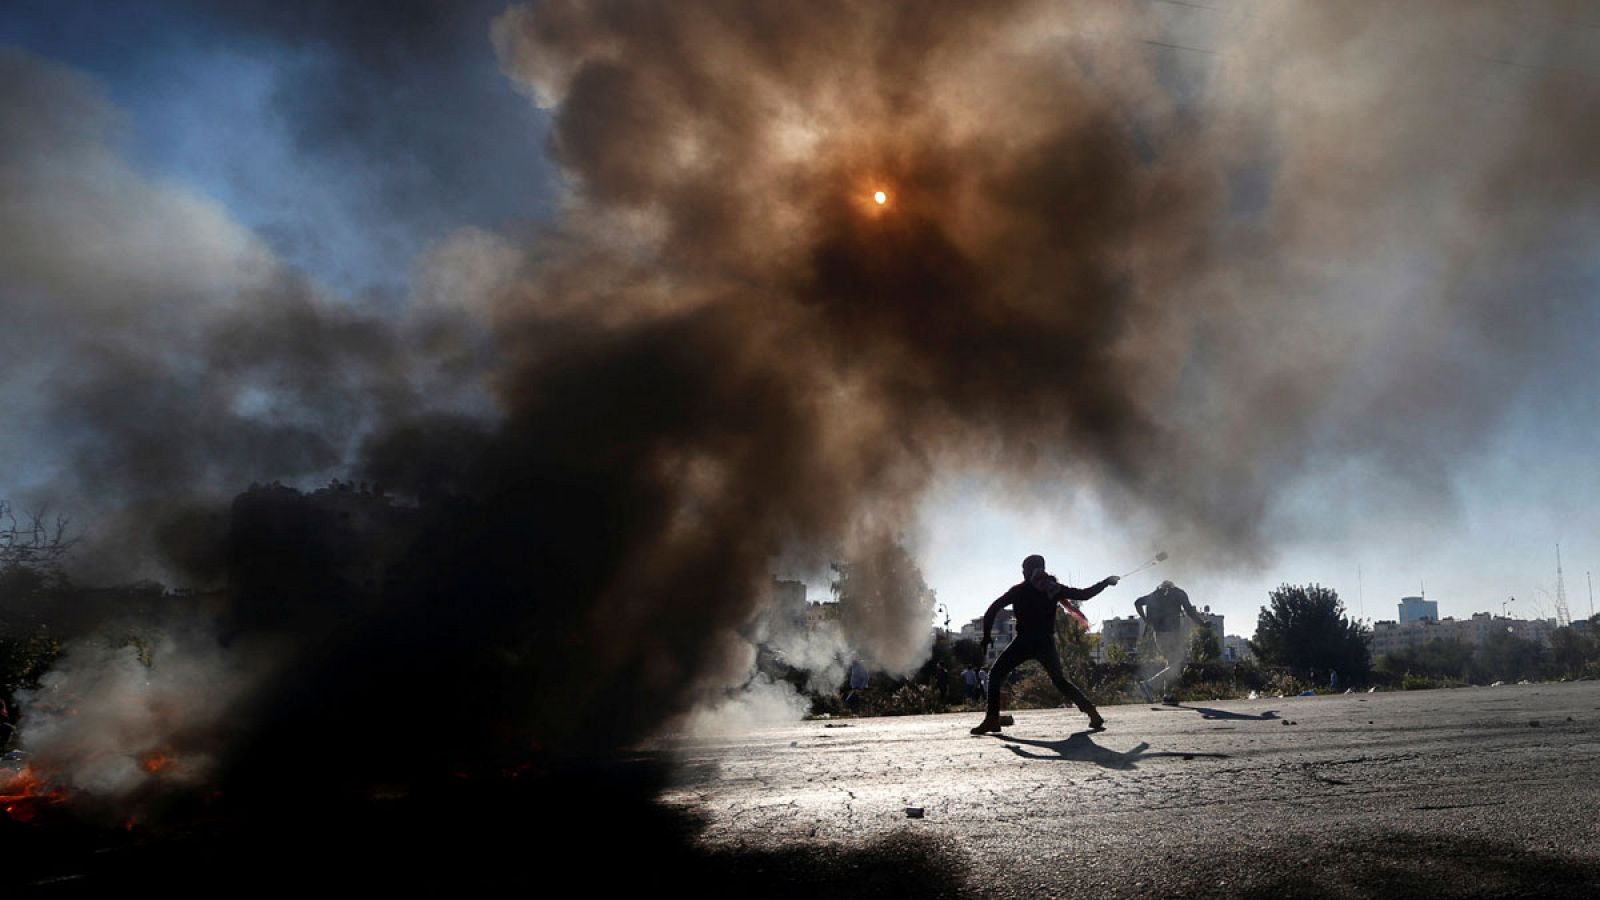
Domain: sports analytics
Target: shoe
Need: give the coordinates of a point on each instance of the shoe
(987, 726)
(1097, 723)
(1170, 699)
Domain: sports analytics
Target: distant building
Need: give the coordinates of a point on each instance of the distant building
(1124, 633)
(818, 613)
(1120, 633)
(789, 601)
(1237, 649)
(1005, 631)
(1416, 609)
(1387, 637)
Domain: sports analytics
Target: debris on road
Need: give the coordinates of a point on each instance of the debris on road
(913, 812)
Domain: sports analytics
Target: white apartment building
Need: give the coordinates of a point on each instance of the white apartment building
(1388, 637)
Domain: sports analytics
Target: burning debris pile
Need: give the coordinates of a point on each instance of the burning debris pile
(23, 793)
(119, 729)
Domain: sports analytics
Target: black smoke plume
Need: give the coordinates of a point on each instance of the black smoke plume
(1328, 244)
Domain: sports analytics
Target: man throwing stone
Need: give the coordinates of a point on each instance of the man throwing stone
(1034, 602)
(1160, 610)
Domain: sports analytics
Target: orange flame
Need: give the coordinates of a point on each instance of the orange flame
(156, 762)
(23, 793)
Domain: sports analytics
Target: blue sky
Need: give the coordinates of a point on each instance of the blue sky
(211, 102)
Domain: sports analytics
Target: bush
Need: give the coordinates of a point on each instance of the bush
(1412, 682)
(908, 700)
(24, 658)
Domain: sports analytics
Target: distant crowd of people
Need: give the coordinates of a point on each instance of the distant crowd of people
(976, 679)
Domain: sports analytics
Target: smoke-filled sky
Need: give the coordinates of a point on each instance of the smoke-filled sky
(1291, 291)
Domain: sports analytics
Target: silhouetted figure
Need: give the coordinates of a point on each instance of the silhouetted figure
(1034, 603)
(1161, 610)
(859, 679)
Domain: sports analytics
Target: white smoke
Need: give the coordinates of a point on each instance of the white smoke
(886, 628)
(760, 701)
(113, 720)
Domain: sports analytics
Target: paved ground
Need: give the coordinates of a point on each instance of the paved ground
(1469, 792)
(1431, 793)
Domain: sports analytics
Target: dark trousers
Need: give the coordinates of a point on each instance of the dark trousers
(1043, 649)
(1169, 643)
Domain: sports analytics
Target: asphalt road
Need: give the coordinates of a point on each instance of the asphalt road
(1477, 792)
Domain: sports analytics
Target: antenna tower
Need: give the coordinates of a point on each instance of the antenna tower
(1563, 618)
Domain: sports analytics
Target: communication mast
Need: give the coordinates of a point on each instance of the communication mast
(1563, 619)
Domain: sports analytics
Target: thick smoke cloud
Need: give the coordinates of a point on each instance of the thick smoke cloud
(1191, 284)
(161, 357)
(1338, 240)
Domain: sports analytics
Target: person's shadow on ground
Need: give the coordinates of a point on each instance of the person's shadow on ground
(1082, 748)
(1209, 713)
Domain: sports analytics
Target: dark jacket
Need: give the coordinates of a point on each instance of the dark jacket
(1162, 607)
(1035, 612)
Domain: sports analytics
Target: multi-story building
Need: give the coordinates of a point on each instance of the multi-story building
(788, 601)
(818, 613)
(1005, 631)
(1415, 609)
(1120, 633)
(1387, 637)
(1236, 649)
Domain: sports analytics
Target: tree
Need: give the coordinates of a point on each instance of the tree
(969, 653)
(1571, 651)
(1505, 657)
(1438, 658)
(31, 544)
(1305, 628)
(32, 553)
(1075, 647)
(1204, 646)
(885, 606)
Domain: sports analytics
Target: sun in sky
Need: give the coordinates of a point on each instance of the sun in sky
(880, 198)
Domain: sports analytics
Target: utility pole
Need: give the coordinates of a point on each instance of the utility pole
(1361, 591)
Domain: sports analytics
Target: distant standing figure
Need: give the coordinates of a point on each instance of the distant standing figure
(1034, 603)
(1160, 609)
(1333, 679)
(970, 676)
(859, 679)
